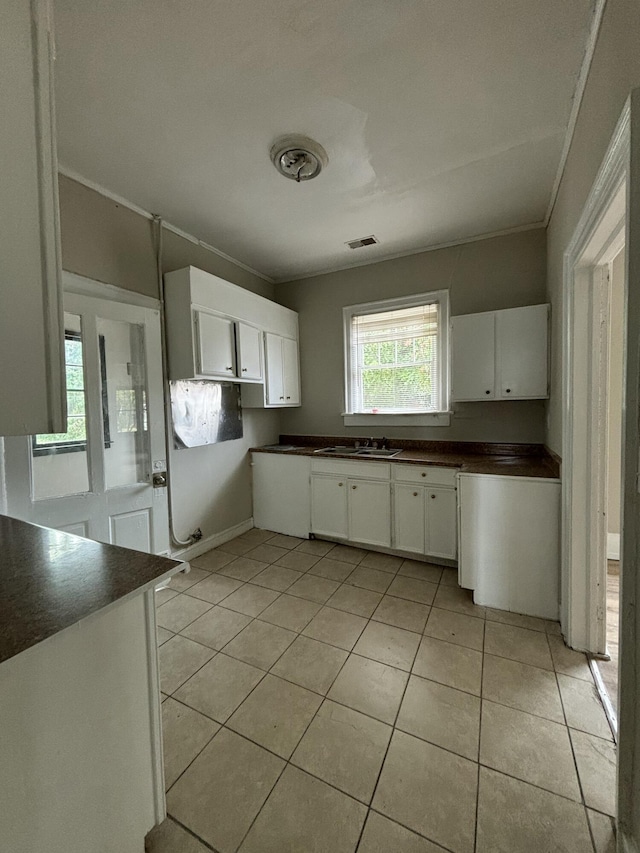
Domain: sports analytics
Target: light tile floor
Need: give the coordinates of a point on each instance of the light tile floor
(326, 699)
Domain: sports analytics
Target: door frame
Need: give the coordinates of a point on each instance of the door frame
(620, 168)
(599, 236)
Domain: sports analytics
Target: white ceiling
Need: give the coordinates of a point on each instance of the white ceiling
(442, 119)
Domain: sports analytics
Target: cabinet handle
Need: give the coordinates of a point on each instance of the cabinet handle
(424, 473)
(244, 369)
(354, 487)
(508, 390)
(229, 368)
(487, 392)
(288, 398)
(433, 497)
(341, 484)
(415, 494)
(282, 398)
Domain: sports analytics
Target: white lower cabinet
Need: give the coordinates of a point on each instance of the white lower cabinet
(425, 520)
(329, 506)
(386, 505)
(442, 522)
(409, 518)
(369, 512)
(510, 542)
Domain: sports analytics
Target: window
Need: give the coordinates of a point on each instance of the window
(75, 438)
(396, 357)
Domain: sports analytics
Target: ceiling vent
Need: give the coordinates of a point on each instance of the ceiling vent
(363, 241)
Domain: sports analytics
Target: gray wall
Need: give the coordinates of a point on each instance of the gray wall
(104, 241)
(615, 70)
(107, 242)
(502, 272)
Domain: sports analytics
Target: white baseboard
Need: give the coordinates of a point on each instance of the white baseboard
(213, 541)
(613, 546)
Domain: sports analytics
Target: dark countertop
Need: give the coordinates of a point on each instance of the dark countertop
(51, 580)
(513, 460)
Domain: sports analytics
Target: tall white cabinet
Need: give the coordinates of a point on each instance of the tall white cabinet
(31, 326)
(500, 355)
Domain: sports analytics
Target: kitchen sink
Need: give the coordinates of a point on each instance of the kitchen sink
(339, 451)
(367, 452)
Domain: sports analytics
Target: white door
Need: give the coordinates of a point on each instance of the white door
(249, 351)
(473, 357)
(291, 371)
(96, 480)
(370, 512)
(442, 517)
(275, 370)
(329, 506)
(216, 345)
(521, 352)
(409, 518)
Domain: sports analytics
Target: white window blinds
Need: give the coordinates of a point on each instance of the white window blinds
(395, 363)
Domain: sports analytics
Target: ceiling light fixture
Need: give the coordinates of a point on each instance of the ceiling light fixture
(298, 157)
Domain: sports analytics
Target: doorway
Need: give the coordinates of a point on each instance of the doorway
(96, 480)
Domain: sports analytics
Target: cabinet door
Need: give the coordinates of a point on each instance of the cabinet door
(409, 518)
(216, 345)
(329, 506)
(370, 512)
(275, 369)
(291, 371)
(249, 352)
(442, 520)
(32, 387)
(473, 357)
(521, 351)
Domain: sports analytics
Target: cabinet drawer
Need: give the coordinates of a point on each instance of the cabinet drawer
(425, 474)
(342, 468)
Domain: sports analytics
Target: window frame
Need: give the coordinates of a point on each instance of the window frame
(80, 445)
(441, 417)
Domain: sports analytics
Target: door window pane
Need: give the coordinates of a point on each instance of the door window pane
(124, 400)
(59, 464)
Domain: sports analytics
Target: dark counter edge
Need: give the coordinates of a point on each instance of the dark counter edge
(40, 599)
(513, 460)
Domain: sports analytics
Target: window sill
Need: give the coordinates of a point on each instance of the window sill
(431, 419)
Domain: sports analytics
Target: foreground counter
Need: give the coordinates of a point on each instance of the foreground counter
(80, 734)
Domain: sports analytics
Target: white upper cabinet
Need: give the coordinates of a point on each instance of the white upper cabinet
(249, 351)
(32, 384)
(216, 345)
(500, 355)
(521, 350)
(473, 357)
(275, 369)
(217, 330)
(291, 372)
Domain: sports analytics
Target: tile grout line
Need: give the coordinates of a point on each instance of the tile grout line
(573, 754)
(324, 697)
(475, 834)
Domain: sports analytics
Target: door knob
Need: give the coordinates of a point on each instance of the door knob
(160, 480)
